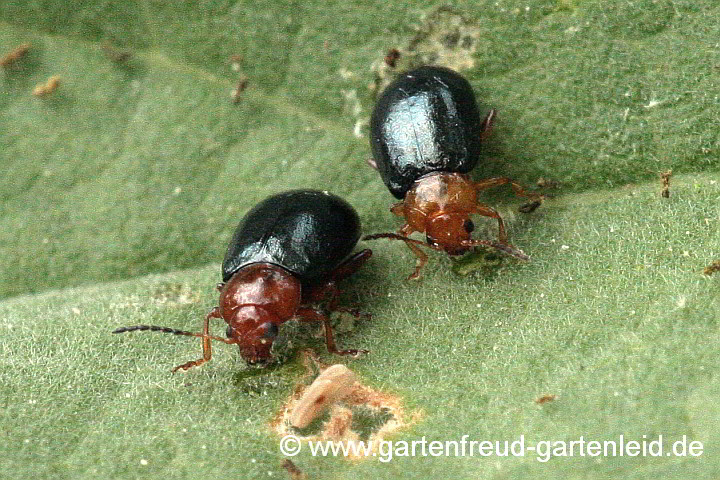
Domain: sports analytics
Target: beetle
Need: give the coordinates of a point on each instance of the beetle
(425, 135)
(287, 254)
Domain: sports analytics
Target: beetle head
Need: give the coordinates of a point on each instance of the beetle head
(447, 231)
(254, 328)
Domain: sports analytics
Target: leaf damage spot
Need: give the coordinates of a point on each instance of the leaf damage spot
(653, 103)
(444, 37)
(362, 413)
(354, 107)
(173, 294)
(236, 62)
(333, 384)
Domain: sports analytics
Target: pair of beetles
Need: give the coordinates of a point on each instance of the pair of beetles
(290, 251)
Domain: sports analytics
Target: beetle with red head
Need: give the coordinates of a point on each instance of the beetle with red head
(425, 135)
(287, 254)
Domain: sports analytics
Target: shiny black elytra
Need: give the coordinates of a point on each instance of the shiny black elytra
(426, 121)
(287, 254)
(425, 135)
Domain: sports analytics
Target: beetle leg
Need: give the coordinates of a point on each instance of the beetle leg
(207, 353)
(351, 265)
(420, 261)
(519, 190)
(309, 314)
(207, 349)
(502, 243)
(412, 244)
(485, 211)
(330, 288)
(421, 257)
(486, 126)
(344, 270)
(317, 292)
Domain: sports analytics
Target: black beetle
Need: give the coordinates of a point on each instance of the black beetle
(425, 135)
(287, 254)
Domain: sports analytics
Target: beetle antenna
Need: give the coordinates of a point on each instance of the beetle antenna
(155, 328)
(503, 247)
(394, 236)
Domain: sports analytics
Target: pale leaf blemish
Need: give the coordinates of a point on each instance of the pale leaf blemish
(354, 107)
(339, 426)
(654, 103)
(345, 74)
(359, 129)
(352, 102)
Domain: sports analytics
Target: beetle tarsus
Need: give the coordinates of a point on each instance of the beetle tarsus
(530, 206)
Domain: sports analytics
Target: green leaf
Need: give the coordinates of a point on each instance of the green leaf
(121, 189)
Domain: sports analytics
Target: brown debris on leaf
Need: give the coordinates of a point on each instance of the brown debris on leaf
(14, 55)
(330, 386)
(545, 399)
(242, 84)
(293, 470)
(391, 57)
(44, 89)
(666, 183)
(340, 427)
(712, 268)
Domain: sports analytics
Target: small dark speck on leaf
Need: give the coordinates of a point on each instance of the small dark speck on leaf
(545, 399)
(712, 268)
(293, 470)
(391, 57)
(666, 183)
(241, 86)
(116, 55)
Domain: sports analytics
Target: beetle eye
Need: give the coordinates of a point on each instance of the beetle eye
(271, 330)
(469, 226)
